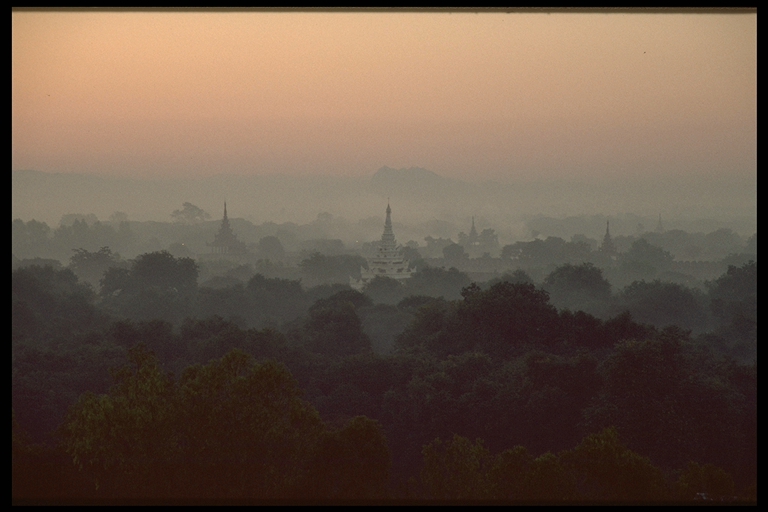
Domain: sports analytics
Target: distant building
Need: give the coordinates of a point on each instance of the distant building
(659, 226)
(226, 241)
(607, 246)
(470, 242)
(388, 261)
(478, 244)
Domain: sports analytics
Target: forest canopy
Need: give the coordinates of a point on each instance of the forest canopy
(165, 377)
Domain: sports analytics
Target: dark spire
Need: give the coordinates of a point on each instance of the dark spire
(388, 235)
(225, 240)
(225, 229)
(607, 247)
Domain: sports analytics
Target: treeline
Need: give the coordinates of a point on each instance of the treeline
(234, 431)
(599, 469)
(659, 254)
(160, 286)
(184, 237)
(495, 361)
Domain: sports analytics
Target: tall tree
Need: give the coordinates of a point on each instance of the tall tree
(607, 470)
(190, 214)
(90, 266)
(232, 429)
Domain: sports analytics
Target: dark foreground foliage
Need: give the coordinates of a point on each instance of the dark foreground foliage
(229, 430)
(569, 406)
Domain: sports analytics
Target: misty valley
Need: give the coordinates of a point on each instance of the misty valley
(412, 257)
(390, 345)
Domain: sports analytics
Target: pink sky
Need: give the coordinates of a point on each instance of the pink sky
(467, 95)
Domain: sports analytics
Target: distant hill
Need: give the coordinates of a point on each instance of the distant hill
(412, 182)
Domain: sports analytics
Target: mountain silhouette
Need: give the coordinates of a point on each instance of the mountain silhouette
(414, 181)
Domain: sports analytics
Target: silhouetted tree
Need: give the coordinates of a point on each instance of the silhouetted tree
(190, 214)
(437, 282)
(163, 270)
(90, 266)
(607, 470)
(662, 303)
(733, 302)
(644, 260)
(156, 286)
(455, 255)
(704, 481)
(455, 470)
(333, 327)
(319, 268)
(501, 320)
(384, 290)
(270, 248)
(49, 304)
(30, 239)
(352, 463)
(579, 287)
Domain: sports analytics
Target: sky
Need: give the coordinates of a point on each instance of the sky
(474, 96)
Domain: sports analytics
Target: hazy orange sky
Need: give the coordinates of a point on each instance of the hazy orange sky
(467, 95)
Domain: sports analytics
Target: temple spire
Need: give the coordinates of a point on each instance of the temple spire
(225, 241)
(388, 262)
(388, 245)
(225, 231)
(607, 247)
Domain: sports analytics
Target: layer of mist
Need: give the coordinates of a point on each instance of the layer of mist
(424, 202)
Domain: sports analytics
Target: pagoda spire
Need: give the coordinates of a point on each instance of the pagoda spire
(225, 240)
(473, 233)
(225, 230)
(388, 261)
(388, 244)
(607, 246)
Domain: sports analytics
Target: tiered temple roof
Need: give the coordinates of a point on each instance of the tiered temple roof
(226, 241)
(388, 261)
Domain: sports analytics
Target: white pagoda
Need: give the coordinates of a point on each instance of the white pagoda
(388, 262)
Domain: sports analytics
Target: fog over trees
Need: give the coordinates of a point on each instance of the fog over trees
(352, 256)
(423, 202)
(580, 342)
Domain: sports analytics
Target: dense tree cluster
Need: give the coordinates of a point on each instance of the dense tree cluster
(264, 388)
(599, 468)
(37, 239)
(229, 430)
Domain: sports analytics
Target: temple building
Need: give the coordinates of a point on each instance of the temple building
(478, 244)
(226, 241)
(470, 242)
(388, 261)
